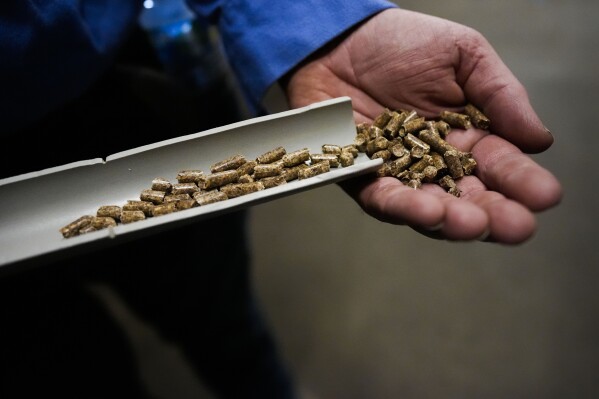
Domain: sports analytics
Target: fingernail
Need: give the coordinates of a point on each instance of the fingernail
(436, 227)
(548, 131)
(484, 235)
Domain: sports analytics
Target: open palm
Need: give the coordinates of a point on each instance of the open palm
(405, 60)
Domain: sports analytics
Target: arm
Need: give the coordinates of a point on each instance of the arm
(401, 59)
(264, 39)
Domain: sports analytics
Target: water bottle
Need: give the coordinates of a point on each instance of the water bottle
(190, 50)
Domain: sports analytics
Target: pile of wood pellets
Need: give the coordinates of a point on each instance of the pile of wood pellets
(230, 178)
(414, 149)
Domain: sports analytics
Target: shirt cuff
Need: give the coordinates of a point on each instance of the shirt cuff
(265, 39)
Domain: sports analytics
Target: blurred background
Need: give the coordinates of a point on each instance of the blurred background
(363, 309)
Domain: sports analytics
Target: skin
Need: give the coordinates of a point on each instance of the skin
(403, 59)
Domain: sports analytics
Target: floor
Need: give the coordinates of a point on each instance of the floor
(363, 309)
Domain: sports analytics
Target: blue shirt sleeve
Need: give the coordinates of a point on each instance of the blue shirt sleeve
(51, 51)
(264, 39)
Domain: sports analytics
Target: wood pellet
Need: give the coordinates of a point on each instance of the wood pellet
(160, 184)
(414, 149)
(190, 176)
(230, 178)
(231, 163)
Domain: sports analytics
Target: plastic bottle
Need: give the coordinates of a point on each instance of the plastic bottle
(189, 50)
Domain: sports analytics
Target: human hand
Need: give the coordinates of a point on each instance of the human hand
(406, 60)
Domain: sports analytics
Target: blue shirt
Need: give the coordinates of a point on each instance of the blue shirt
(51, 51)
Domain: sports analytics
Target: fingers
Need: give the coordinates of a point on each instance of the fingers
(489, 84)
(389, 200)
(479, 215)
(505, 169)
(462, 221)
(509, 221)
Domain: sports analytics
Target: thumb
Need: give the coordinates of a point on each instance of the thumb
(490, 85)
